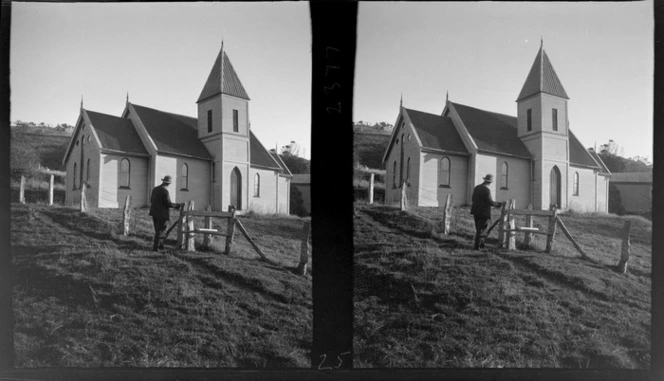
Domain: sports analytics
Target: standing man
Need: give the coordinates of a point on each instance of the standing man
(481, 209)
(160, 204)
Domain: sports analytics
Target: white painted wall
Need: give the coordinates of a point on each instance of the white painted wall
(198, 188)
(585, 201)
(266, 202)
(432, 193)
(111, 195)
(284, 195)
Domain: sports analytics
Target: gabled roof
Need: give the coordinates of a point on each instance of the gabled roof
(436, 132)
(542, 79)
(302, 178)
(118, 134)
(281, 163)
(631, 177)
(231, 81)
(260, 156)
(602, 167)
(172, 133)
(492, 132)
(578, 155)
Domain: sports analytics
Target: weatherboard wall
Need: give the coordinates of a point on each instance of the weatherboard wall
(405, 136)
(111, 195)
(197, 189)
(432, 193)
(90, 151)
(266, 201)
(283, 199)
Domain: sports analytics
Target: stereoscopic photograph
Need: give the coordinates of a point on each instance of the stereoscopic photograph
(160, 202)
(503, 181)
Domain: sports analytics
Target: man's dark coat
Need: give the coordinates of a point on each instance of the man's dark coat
(482, 201)
(160, 202)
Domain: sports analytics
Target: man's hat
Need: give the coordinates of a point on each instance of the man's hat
(487, 178)
(166, 179)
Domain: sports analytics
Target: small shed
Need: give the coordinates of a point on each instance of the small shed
(635, 190)
(302, 183)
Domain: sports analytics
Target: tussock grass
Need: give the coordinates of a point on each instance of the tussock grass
(85, 295)
(423, 299)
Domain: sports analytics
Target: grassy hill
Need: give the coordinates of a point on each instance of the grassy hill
(369, 146)
(424, 299)
(49, 144)
(85, 296)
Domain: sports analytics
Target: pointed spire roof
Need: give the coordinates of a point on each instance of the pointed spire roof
(542, 78)
(223, 79)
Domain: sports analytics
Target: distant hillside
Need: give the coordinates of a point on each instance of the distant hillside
(369, 145)
(49, 144)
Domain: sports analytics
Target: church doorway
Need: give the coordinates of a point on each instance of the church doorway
(554, 187)
(236, 189)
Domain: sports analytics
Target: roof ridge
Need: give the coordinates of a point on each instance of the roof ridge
(491, 112)
(165, 112)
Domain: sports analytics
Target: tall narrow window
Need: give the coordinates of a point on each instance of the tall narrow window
(503, 176)
(214, 171)
(236, 122)
(529, 119)
(445, 172)
(87, 172)
(209, 120)
(75, 176)
(554, 116)
(576, 184)
(408, 169)
(125, 172)
(394, 174)
(184, 177)
(257, 185)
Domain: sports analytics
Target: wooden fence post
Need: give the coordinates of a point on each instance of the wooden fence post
(50, 190)
(624, 251)
(181, 222)
(404, 201)
(511, 236)
(304, 248)
(563, 228)
(371, 189)
(447, 214)
(529, 224)
(552, 228)
(190, 227)
(126, 214)
(83, 205)
(501, 227)
(21, 191)
(230, 230)
(208, 225)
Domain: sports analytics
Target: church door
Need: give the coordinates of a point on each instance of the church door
(236, 189)
(554, 187)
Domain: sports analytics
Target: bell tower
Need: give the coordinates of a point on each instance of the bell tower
(223, 126)
(542, 125)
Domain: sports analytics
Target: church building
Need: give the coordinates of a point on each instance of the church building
(214, 159)
(534, 156)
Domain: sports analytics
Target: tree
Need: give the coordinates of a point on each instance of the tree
(296, 164)
(23, 157)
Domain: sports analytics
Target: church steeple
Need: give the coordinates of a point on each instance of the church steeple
(542, 78)
(223, 79)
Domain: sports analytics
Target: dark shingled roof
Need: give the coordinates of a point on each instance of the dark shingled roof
(232, 84)
(492, 132)
(578, 154)
(435, 131)
(603, 169)
(277, 158)
(172, 133)
(542, 78)
(116, 133)
(260, 156)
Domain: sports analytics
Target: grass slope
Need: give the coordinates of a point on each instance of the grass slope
(86, 296)
(49, 145)
(370, 147)
(424, 299)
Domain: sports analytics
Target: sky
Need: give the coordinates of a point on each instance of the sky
(161, 54)
(482, 52)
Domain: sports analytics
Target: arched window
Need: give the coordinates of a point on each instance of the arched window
(75, 176)
(184, 177)
(445, 172)
(408, 169)
(504, 176)
(257, 185)
(576, 184)
(394, 174)
(125, 172)
(87, 172)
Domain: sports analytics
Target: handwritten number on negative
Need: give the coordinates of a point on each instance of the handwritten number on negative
(324, 357)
